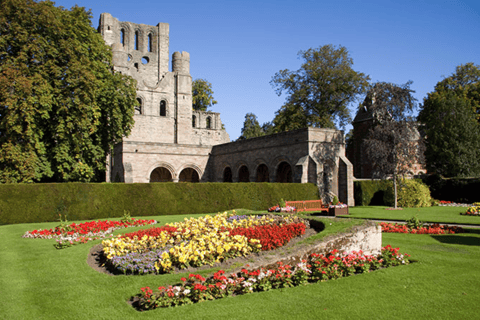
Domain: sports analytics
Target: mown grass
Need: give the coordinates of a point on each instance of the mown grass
(427, 214)
(40, 282)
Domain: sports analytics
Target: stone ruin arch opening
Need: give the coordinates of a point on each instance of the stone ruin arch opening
(262, 173)
(189, 175)
(227, 175)
(160, 174)
(243, 174)
(284, 173)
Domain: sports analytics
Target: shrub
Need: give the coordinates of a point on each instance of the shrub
(410, 193)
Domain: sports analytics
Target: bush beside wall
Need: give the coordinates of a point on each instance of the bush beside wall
(28, 203)
(461, 190)
(370, 192)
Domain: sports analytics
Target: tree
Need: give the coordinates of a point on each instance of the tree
(202, 95)
(450, 119)
(62, 108)
(251, 127)
(393, 143)
(320, 91)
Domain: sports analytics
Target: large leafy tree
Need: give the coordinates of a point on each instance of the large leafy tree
(320, 91)
(450, 117)
(393, 144)
(202, 95)
(251, 127)
(62, 108)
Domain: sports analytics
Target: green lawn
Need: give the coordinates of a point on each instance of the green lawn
(428, 214)
(40, 282)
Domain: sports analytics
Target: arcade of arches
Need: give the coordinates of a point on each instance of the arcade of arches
(283, 174)
(162, 174)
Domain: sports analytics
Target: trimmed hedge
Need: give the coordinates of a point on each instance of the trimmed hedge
(28, 203)
(371, 192)
(460, 190)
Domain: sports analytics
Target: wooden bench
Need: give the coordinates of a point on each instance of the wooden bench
(308, 205)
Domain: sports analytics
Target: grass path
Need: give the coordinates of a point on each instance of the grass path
(40, 282)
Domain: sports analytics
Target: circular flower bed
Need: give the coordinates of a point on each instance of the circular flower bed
(198, 242)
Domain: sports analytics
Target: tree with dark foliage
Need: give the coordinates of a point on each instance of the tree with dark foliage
(62, 108)
(450, 118)
(393, 143)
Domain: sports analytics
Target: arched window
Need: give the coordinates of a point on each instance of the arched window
(122, 36)
(163, 108)
(150, 48)
(209, 122)
(262, 173)
(138, 109)
(227, 175)
(243, 174)
(136, 40)
(194, 120)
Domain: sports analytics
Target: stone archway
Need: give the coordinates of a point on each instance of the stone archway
(262, 173)
(284, 173)
(188, 175)
(160, 174)
(227, 175)
(243, 174)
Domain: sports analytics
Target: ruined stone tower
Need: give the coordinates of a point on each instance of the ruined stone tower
(168, 135)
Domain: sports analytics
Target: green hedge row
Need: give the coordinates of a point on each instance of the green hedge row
(27, 203)
(461, 190)
(371, 192)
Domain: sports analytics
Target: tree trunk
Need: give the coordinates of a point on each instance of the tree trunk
(395, 189)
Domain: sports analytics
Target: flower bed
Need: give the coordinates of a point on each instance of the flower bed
(68, 235)
(474, 210)
(429, 229)
(198, 242)
(316, 268)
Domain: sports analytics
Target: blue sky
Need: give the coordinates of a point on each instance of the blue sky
(239, 45)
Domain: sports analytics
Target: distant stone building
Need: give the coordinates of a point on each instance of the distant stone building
(363, 122)
(172, 142)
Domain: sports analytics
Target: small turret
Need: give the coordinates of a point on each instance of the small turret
(181, 62)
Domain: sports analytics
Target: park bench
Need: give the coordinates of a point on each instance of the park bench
(308, 205)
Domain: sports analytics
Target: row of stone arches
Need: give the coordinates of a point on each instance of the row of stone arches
(283, 174)
(139, 108)
(162, 174)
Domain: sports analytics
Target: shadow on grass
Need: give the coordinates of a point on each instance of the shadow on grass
(457, 239)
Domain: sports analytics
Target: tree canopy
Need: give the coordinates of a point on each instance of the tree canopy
(450, 118)
(202, 95)
(393, 144)
(320, 91)
(62, 108)
(251, 127)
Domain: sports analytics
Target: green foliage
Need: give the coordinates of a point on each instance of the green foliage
(335, 200)
(25, 203)
(460, 190)
(414, 223)
(320, 91)
(202, 95)
(412, 193)
(450, 119)
(370, 192)
(251, 127)
(61, 106)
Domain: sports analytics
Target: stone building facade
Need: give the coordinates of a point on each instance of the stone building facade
(362, 167)
(172, 142)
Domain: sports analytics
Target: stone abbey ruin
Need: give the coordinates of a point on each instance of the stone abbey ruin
(172, 142)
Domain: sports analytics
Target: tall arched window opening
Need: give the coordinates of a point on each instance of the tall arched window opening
(194, 120)
(150, 49)
(163, 108)
(209, 123)
(136, 40)
(122, 36)
(138, 108)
